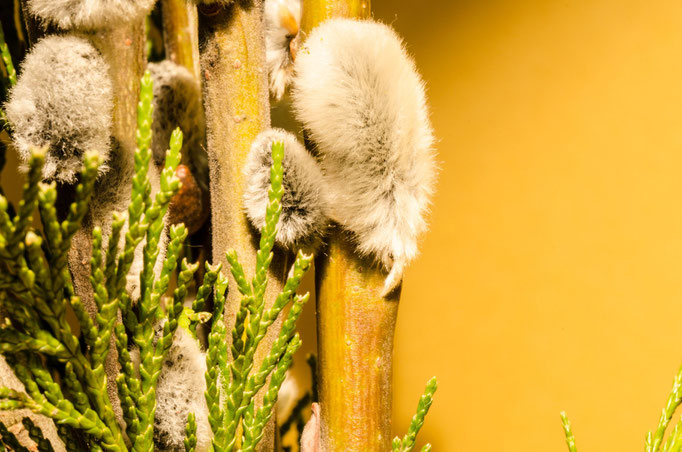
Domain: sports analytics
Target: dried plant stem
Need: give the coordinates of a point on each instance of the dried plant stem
(355, 325)
(180, 34)
(237, 108)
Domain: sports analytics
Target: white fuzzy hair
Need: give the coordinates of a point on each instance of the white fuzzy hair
(180, 391)
(362, 102)
(310, 437)
(62, 101)
(302, 220)
(178, 103)
(282, 21)
(89, 14)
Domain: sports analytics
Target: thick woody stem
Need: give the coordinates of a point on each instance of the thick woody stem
(355, 325)
(237, 108)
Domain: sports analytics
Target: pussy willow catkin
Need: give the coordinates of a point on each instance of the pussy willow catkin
(89, 14)
(362, 103)
(302, 221)
(282, 24)
(62, 101)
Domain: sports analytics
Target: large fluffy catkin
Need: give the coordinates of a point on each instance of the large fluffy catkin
(89, 14)
(180, 391)
(177, 103)
(302, 220)
(63, 101)
(282, 22)
(362, 102)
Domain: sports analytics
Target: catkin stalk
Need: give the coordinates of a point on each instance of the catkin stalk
(355, 325)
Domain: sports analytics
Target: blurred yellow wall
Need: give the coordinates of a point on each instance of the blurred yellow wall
(552, 275)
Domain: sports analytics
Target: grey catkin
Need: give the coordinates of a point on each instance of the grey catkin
(62, 101)
(89, 14)
(178, 103)
(180, 391)
(362, 103)
(302, 221)
(282, 23)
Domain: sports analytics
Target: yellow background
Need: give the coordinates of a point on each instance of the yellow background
(552, 275)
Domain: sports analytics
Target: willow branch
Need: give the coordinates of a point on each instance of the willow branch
(355, 324)
(236, 101)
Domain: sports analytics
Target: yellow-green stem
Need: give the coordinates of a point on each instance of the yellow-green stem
(316, 11)
(355, 328)
(355, 325)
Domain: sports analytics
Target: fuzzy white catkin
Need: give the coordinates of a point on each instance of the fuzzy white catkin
(89, 14)
(63, 101)
(178, 103)
(282, 21)
(180, 391)
(310, 437)
(302, 221)
(360, 98)
(287, 396)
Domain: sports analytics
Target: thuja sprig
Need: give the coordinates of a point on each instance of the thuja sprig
(45, 294)
(216, 364)
(191, 433)
(568, 432)
(406, 444)
(654, 440)
(140, 193)
(42, 324)
(151, 287)
(36, 288)
(254, 424)
(7, 59)
(231, 389)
